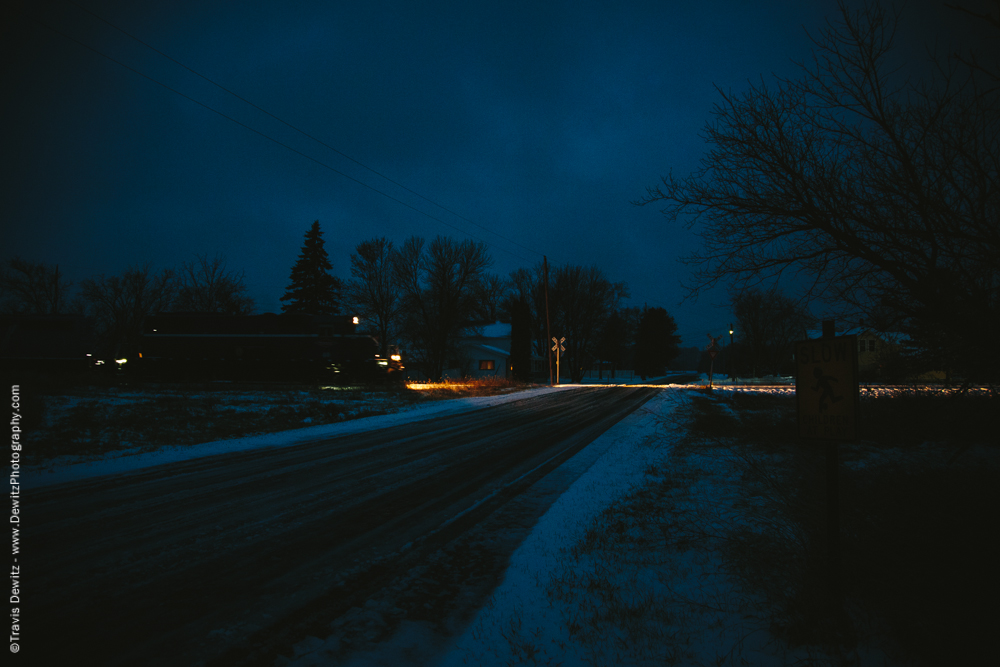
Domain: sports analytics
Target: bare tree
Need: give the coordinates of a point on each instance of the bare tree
(491, 293)
(768, 322)
(121, 304)
(438, 287)
(881, 190)
(373, 291)
(32, 288)
(581, 300)
(205, 286)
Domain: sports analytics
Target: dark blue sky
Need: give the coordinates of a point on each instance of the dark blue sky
(539, 121)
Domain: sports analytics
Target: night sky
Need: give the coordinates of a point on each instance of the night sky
(534, 124)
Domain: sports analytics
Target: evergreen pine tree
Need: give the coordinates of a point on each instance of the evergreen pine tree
(656, 342)
(313, 291)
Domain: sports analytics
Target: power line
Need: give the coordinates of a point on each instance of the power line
(303, 132)
(269, 138)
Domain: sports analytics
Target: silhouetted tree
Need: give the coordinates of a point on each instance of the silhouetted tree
(121, 303)
(768, 323)
(656, 343)
(438, 287)
(614, 342)
(32, 288)
(520, 340)
(580, 301)
(527, 284)
(205, 286)
(880, 188)
(373, 291)
(491, 291)
(313, 290)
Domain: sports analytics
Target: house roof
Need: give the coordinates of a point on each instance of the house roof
(496, 330)
(488, 349)
(891, 336)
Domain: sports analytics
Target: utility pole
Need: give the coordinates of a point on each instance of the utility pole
(548, 334)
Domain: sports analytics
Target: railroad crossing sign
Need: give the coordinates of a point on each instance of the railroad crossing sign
(712, 349)
(557, 348)
(826, 388)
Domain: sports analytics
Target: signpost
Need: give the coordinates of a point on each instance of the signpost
(557, 348)
(712, 351)
(826, 397)
(826, 388)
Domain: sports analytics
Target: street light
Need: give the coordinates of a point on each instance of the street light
(729, 360)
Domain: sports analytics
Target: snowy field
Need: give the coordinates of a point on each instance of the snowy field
(71, 468)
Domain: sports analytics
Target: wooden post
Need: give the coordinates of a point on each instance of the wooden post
(557, 363)
(832, 507)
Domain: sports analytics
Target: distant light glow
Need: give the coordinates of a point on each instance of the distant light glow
(396, 357)
(355, 320)
(120, 361)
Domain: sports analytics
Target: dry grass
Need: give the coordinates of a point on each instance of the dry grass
(468, 387)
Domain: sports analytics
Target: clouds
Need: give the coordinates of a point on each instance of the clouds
(541, 121)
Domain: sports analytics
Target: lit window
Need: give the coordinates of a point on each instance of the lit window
(487, 364)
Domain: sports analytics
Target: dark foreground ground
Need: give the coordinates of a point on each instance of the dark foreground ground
(233, 559)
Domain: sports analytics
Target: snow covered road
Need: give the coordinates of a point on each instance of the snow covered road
(234, 558)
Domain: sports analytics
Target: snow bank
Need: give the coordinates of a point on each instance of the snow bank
(520, 612)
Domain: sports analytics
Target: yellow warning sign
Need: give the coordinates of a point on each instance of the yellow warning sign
(826, 388)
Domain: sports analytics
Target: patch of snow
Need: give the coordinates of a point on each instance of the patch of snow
(57, 472)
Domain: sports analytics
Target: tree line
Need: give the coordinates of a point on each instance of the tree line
(421, 296)
(425, 296)
(120, 303)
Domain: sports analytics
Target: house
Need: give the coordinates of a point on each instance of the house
(880, 353)
(485, 352)
(874, 347)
